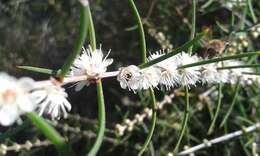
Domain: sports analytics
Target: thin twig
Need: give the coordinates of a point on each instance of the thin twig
(73, 79)
(28, 145)
(80, 132)
(150, 9)
(229, 136)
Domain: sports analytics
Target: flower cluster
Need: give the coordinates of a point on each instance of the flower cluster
(169, 73)
(139, 118)
(52, 100)
(15, 98)
(239, 42)
(20, 96)
(255, 31)
(163, 73)
(91, 63)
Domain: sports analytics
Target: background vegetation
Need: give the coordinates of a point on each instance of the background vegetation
(42, 34)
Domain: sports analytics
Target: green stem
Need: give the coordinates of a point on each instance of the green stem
(208, 3)
(38, 70)
(240, 66)
(250, 73)
(101, 103)
(79, 43)
(247, 54)
(187, 102)
(92, 34)
(193, 28)
(242, 22)
(251, 9)
(232, 22)
(141, 29)
(144, 60)
(152, 127)
(212, 125)
(175, 51)
(232, 104)
(51, 134)
(184, 122)
(101, 121)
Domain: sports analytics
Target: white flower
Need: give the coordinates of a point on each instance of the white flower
(52, 100)
(234, 73)
(223, 75)
(129, 77)
(120, 129)
(91, 63)
(188, 76)
(237, 74)
(209, 73)
(150, 77)
(15, 98)
(168, 68)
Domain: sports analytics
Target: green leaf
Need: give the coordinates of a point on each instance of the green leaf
(240, 66)
(175, 51)
(144, 59)
(212, 125)
(250, 73)
(101, 121)
(152, 127)
(79, 42)
(187, 99)
(140, 28)
(101, 103)
(232, 104)
(38, 70)
(132, 28)
(91, 29)
(248, 54)
(51, 134)
(184, 121)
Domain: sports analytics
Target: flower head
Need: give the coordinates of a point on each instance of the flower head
(150, 77)
(15, 98)
(188, 76)
(129, 77)
(52, 100)
(169, 74)
(223, 75)
(209, 73)
(91, 63)
(237, 74)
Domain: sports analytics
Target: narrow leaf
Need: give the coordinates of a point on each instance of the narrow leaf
(101, 103)
(144, 59)
(132, 28)
(250, 73)
(212, 125)
(101, 121)
(248, 54)
(241, 66)
(232, 104)
(58, 141)
(79, 42)
(175, 51)
(38, 70)
(152, 127)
